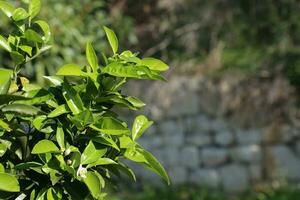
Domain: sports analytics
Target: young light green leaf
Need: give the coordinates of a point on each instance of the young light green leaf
(110, 126)
(26, 49)
(60, 110)
(33, 36)
(5, 80)
(34, 8)
(46, 29)
(9, 183)
(93, 183)
(154, 64)
(2, 168)
(112, 39)
(5, 126)
(45, 146)
(38, 122)
(3, 149)
(7, 8)
(91, 57)
(4, 44)
(141, 123)
(70, 70)
(91, 154)
(102, 161)
(19, 14)
(60, 137)
(55, 80)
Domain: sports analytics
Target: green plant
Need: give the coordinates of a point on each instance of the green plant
(66, 141)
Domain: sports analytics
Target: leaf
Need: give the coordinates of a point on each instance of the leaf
(21, 109)
(72, 98)
(102, 161)
(154, 64)
(3, 149)
(135, 102)
(60, 137)
(19, 14)
(46, 29)
(45, 146)
(83, 118)
(5, 80)
(38, 122)
(141, 123)
(110, 126)
(4, 126)
(26, 49)
(155, 165)
(112, 39)
(60, 110)
(7, 8)
(91, 154)
(2, 168)
(91, 57)
(55, 80)
(131, 71)
(33, 36)
(4, 44)
(28, 165)
(106, 141)
(93, 183)
(17, 57)
(9, 183)
(34, 8)
(70, 70)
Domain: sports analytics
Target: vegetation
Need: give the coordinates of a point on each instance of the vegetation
(192, 193)
(65, 141)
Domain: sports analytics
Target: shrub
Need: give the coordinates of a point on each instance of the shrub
(66, 141)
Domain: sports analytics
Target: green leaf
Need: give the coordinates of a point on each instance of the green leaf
(5, 80)
(112, 39)
(46, 29)
(135, 102)
(141, 123)
(93, 183)
(17, 57)
(91, 154)
(21, 109)
(4, 126)
(110, 126)
(73, 99)
(33, 36)
(102, 161)
(9, 183)
(60, 137)
(26, 49)
(60, 110)
(106, 141)
(45, 146)
(70, 70)
(130, 71)
(38, 122)
(3, 149)
(28, 165)
(2, 168)
(91, 57)
(153, 164)
(34, 8)
(55, 80)
(7, 8)
(19, 14)
(4, 44)
(154, 64)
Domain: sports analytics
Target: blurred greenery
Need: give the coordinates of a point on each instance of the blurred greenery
(192, 193)
(255, 35)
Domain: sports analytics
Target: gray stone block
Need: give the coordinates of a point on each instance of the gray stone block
(205, 177)
(224, 138)
(234, 178)
(190, 157)
(249, 154)
(214, 156)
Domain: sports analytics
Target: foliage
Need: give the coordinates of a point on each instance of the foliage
(70, 36)
(194, 193)
(65, 141)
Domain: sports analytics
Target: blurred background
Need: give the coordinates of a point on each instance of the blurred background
(227, 120)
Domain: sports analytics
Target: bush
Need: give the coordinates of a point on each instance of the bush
(65, 141)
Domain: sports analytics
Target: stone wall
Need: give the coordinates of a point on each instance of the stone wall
(204, 149)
